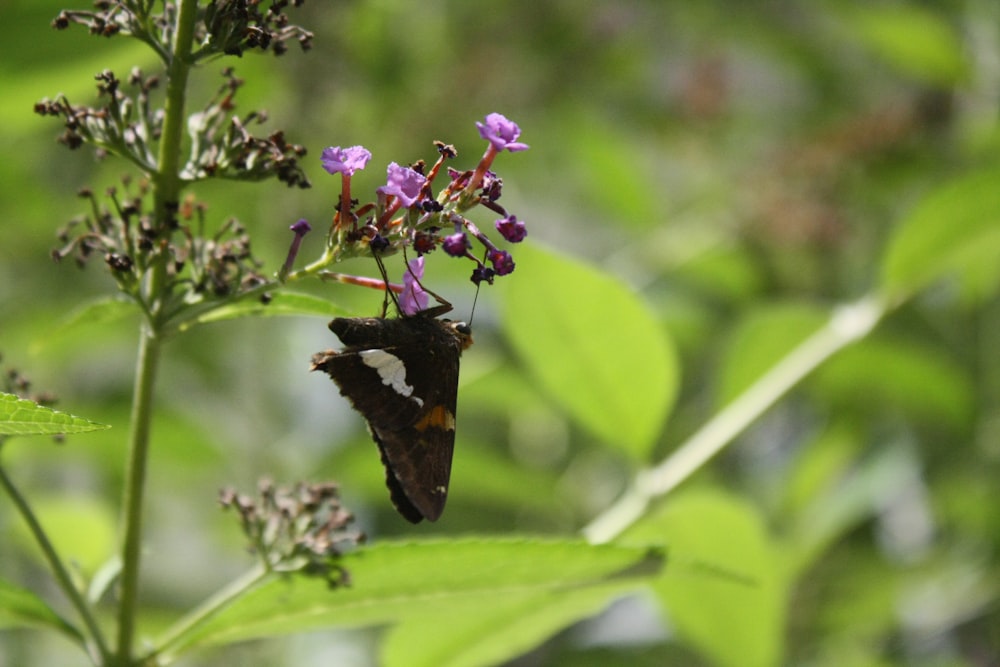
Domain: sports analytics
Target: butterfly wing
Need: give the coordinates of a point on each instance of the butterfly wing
(402, 376)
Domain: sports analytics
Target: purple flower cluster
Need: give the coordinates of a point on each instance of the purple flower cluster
(408, 214)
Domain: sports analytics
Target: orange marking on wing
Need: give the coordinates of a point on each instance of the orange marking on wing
(437, 417)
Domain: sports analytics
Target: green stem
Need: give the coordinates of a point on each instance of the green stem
(846, 325)
(155, 294)
(134, 493)
(169, 647)
(95, 641)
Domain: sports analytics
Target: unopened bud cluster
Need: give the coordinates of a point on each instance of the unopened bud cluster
(303, 528)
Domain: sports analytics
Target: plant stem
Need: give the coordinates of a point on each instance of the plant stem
(167, 187)
(846, 325)
(134, 493)
(170, 645)
(95, 642)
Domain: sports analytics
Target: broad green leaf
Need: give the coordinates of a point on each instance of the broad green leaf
(394, 582)
(19, 416)
(763, 338)
(281, 304)
(725, 593)
(22, 608)
(480, 637)
(883, 373)
(955, 230)
(593, 346)
(917, 42)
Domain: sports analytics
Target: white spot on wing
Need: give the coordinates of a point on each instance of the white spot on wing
(392, 371)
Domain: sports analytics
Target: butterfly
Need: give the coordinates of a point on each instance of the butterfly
(401, 374)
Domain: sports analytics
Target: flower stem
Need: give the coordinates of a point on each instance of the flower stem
(134, 492)
(167, 187)
(847, 325)
(169, 646)
(95, 639)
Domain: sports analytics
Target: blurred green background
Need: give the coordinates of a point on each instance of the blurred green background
(741, 165)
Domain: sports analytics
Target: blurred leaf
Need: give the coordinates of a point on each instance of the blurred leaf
(593, 346)
(820, 465)
(280, 304)
(725, 593)
(19, 416)
(723, 271)
(100, 311)
(953, 230)
(22, 608)
(846, 497)
(763, 338)
(454, 581)
(483, 483)
(511, 626)
(915, 41)
(83, 530)
(880, 372)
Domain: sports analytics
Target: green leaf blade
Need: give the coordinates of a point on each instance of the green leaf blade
(594, 347)
(19, 416)
(281, 304)
(397, 582)
(954, 231)
(726, 594)
(20, 607)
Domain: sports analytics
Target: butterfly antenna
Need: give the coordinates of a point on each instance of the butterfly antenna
(475, 298)
(388, 290)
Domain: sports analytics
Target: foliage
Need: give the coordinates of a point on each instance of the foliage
(736, 405)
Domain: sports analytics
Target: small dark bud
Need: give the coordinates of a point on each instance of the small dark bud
(118, 262)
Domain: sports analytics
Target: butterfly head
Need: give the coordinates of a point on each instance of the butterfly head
(461, 331)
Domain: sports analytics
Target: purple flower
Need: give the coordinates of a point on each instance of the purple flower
(300, 228)
(492, 186)
(511, 229)
(501, 133)
(337, 160)
(481, 273)
(413, 298)
(502, 262)
(456, 244)
(404, 183)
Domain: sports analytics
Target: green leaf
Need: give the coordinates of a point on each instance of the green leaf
(281, 304)
(20, 607)
(19, 416)
(392, 582)
(512, 626)
(725, 594)
(593, 345)
(82, 529)
(891, 372)
(915, 41)
(100, 311)
(762, 339)
(954, 230)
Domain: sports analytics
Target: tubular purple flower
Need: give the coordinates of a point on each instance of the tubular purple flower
(502, 262)
(511, 229)
(501, 133)
(300, 228)
(404, 183)
(413, 298)
(456, 245)
(337, 160)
